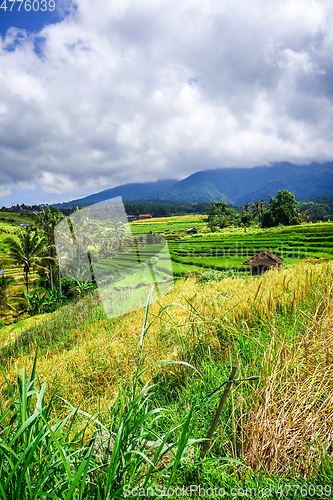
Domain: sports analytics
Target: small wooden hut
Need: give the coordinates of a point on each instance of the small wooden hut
(192, 230)
(263, 261)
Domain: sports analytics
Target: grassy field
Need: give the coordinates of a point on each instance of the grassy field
(278, 328)
(10, 220)
(273, 432)
(165, 224)
(227, 249)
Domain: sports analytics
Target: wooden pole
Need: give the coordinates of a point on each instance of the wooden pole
(206, 443)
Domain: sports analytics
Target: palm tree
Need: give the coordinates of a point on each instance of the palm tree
(246, 207)
(255, 209)
(76, 239)
(118, 232)
(46, 220)
(27, 251)
(261, 208)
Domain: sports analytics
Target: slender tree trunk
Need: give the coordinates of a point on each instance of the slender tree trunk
(51, 275)
(27, 280)
(59, 277)
(91, 268)
(51, 263)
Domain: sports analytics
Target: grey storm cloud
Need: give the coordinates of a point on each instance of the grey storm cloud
(120, 91)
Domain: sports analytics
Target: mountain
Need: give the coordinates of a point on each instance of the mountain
(128, 192)
(238, 185)
(234, 185)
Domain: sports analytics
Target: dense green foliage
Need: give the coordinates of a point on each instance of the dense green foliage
(318, 209)
(221, 214)
(43, 456)
(27, 251)
(41, 300)
(164, 209)
(46, 221)
(282, 210)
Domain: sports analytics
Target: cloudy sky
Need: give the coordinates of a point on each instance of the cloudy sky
(96, 94)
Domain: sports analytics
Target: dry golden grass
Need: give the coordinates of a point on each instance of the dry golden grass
(290, 421)
(176, 218)
(285, 422)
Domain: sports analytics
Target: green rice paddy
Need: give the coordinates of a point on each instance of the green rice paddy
(227, 249)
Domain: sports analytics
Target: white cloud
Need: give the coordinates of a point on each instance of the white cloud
(5, 192)
(127, 92)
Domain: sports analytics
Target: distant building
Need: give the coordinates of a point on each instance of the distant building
(191, 230)
(21, 209)
(263, 261)
(145, 216)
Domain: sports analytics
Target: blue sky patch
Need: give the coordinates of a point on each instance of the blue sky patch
(39, 43)
(42, 12)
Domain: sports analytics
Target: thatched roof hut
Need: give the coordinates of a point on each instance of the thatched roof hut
(263, 261)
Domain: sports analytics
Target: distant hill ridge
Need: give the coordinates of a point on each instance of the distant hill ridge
(234, 185)
(128, 192)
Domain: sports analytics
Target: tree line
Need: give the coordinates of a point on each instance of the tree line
(283, 209)
(33, 248)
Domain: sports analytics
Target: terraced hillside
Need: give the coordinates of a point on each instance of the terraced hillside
(229, 248)
(8, 223)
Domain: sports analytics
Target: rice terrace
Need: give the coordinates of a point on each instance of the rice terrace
(101, 407)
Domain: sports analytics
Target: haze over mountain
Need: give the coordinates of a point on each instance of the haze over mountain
(128, 192)
(234, 185)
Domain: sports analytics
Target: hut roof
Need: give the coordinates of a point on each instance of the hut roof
(263, 258)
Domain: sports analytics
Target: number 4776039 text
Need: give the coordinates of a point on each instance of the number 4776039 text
(27, 5)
